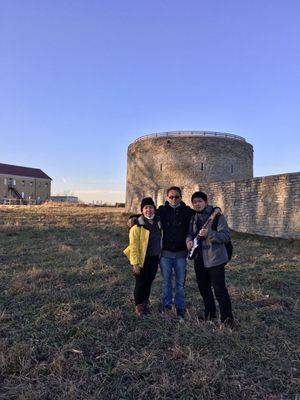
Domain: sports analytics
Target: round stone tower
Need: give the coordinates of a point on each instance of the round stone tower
(185, 158)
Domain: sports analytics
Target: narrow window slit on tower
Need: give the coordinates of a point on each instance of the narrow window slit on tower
(231, 168)
(202, 166)
(161, 167)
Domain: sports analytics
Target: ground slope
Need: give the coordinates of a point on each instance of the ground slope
(67, 328)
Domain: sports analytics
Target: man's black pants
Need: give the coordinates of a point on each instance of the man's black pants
(213, 277)
(144, 280)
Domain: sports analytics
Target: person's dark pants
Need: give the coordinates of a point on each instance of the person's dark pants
(144, 280)
(213, 277)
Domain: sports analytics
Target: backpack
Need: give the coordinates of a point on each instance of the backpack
(228, 245)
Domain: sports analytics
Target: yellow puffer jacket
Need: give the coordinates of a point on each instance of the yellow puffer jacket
(138, 243)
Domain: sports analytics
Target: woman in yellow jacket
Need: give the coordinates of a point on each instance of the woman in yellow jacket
(143, 253)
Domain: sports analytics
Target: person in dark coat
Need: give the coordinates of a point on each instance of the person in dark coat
(175, 217)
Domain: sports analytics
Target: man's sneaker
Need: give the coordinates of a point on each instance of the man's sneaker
(180, 315)
(164, 309)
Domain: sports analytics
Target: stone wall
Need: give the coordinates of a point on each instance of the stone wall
(267, 205)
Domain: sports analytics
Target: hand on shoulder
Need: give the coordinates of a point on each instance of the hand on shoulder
(132, 221)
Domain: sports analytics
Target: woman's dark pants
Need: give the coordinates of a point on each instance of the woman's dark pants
(213, 277)
(144, 280)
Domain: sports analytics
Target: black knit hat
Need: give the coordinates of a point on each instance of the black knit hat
(147, 201)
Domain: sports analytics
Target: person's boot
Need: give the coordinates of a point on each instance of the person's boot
(229, 323)
(211, 316)
(139, 310)
(207, 316)
(146, 308)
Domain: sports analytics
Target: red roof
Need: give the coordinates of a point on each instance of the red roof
(7, 169)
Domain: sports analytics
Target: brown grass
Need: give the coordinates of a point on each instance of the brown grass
(68, 331)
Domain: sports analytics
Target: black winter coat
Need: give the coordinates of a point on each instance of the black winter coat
(175, 225)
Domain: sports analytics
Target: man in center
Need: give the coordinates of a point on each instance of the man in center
(175, 217)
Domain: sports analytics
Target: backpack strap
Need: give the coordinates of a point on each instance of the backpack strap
(214, 225)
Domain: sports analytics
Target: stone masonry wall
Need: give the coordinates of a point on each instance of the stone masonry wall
(267, 205)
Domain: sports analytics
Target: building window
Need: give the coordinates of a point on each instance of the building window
(5, 181)
(14, 182)
(23, 183)
(202, 166)
(231, 168)
(23, 195)
(46, 184)
(31, 183)
(161, 167)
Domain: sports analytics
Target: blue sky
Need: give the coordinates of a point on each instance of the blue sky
(81, 79)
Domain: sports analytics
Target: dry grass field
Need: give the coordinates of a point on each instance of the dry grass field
(67, 328)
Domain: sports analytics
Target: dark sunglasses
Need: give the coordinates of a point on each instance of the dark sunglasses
(174, 197)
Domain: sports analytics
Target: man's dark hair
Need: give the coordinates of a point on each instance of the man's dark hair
(199, 195)
(174, 188)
